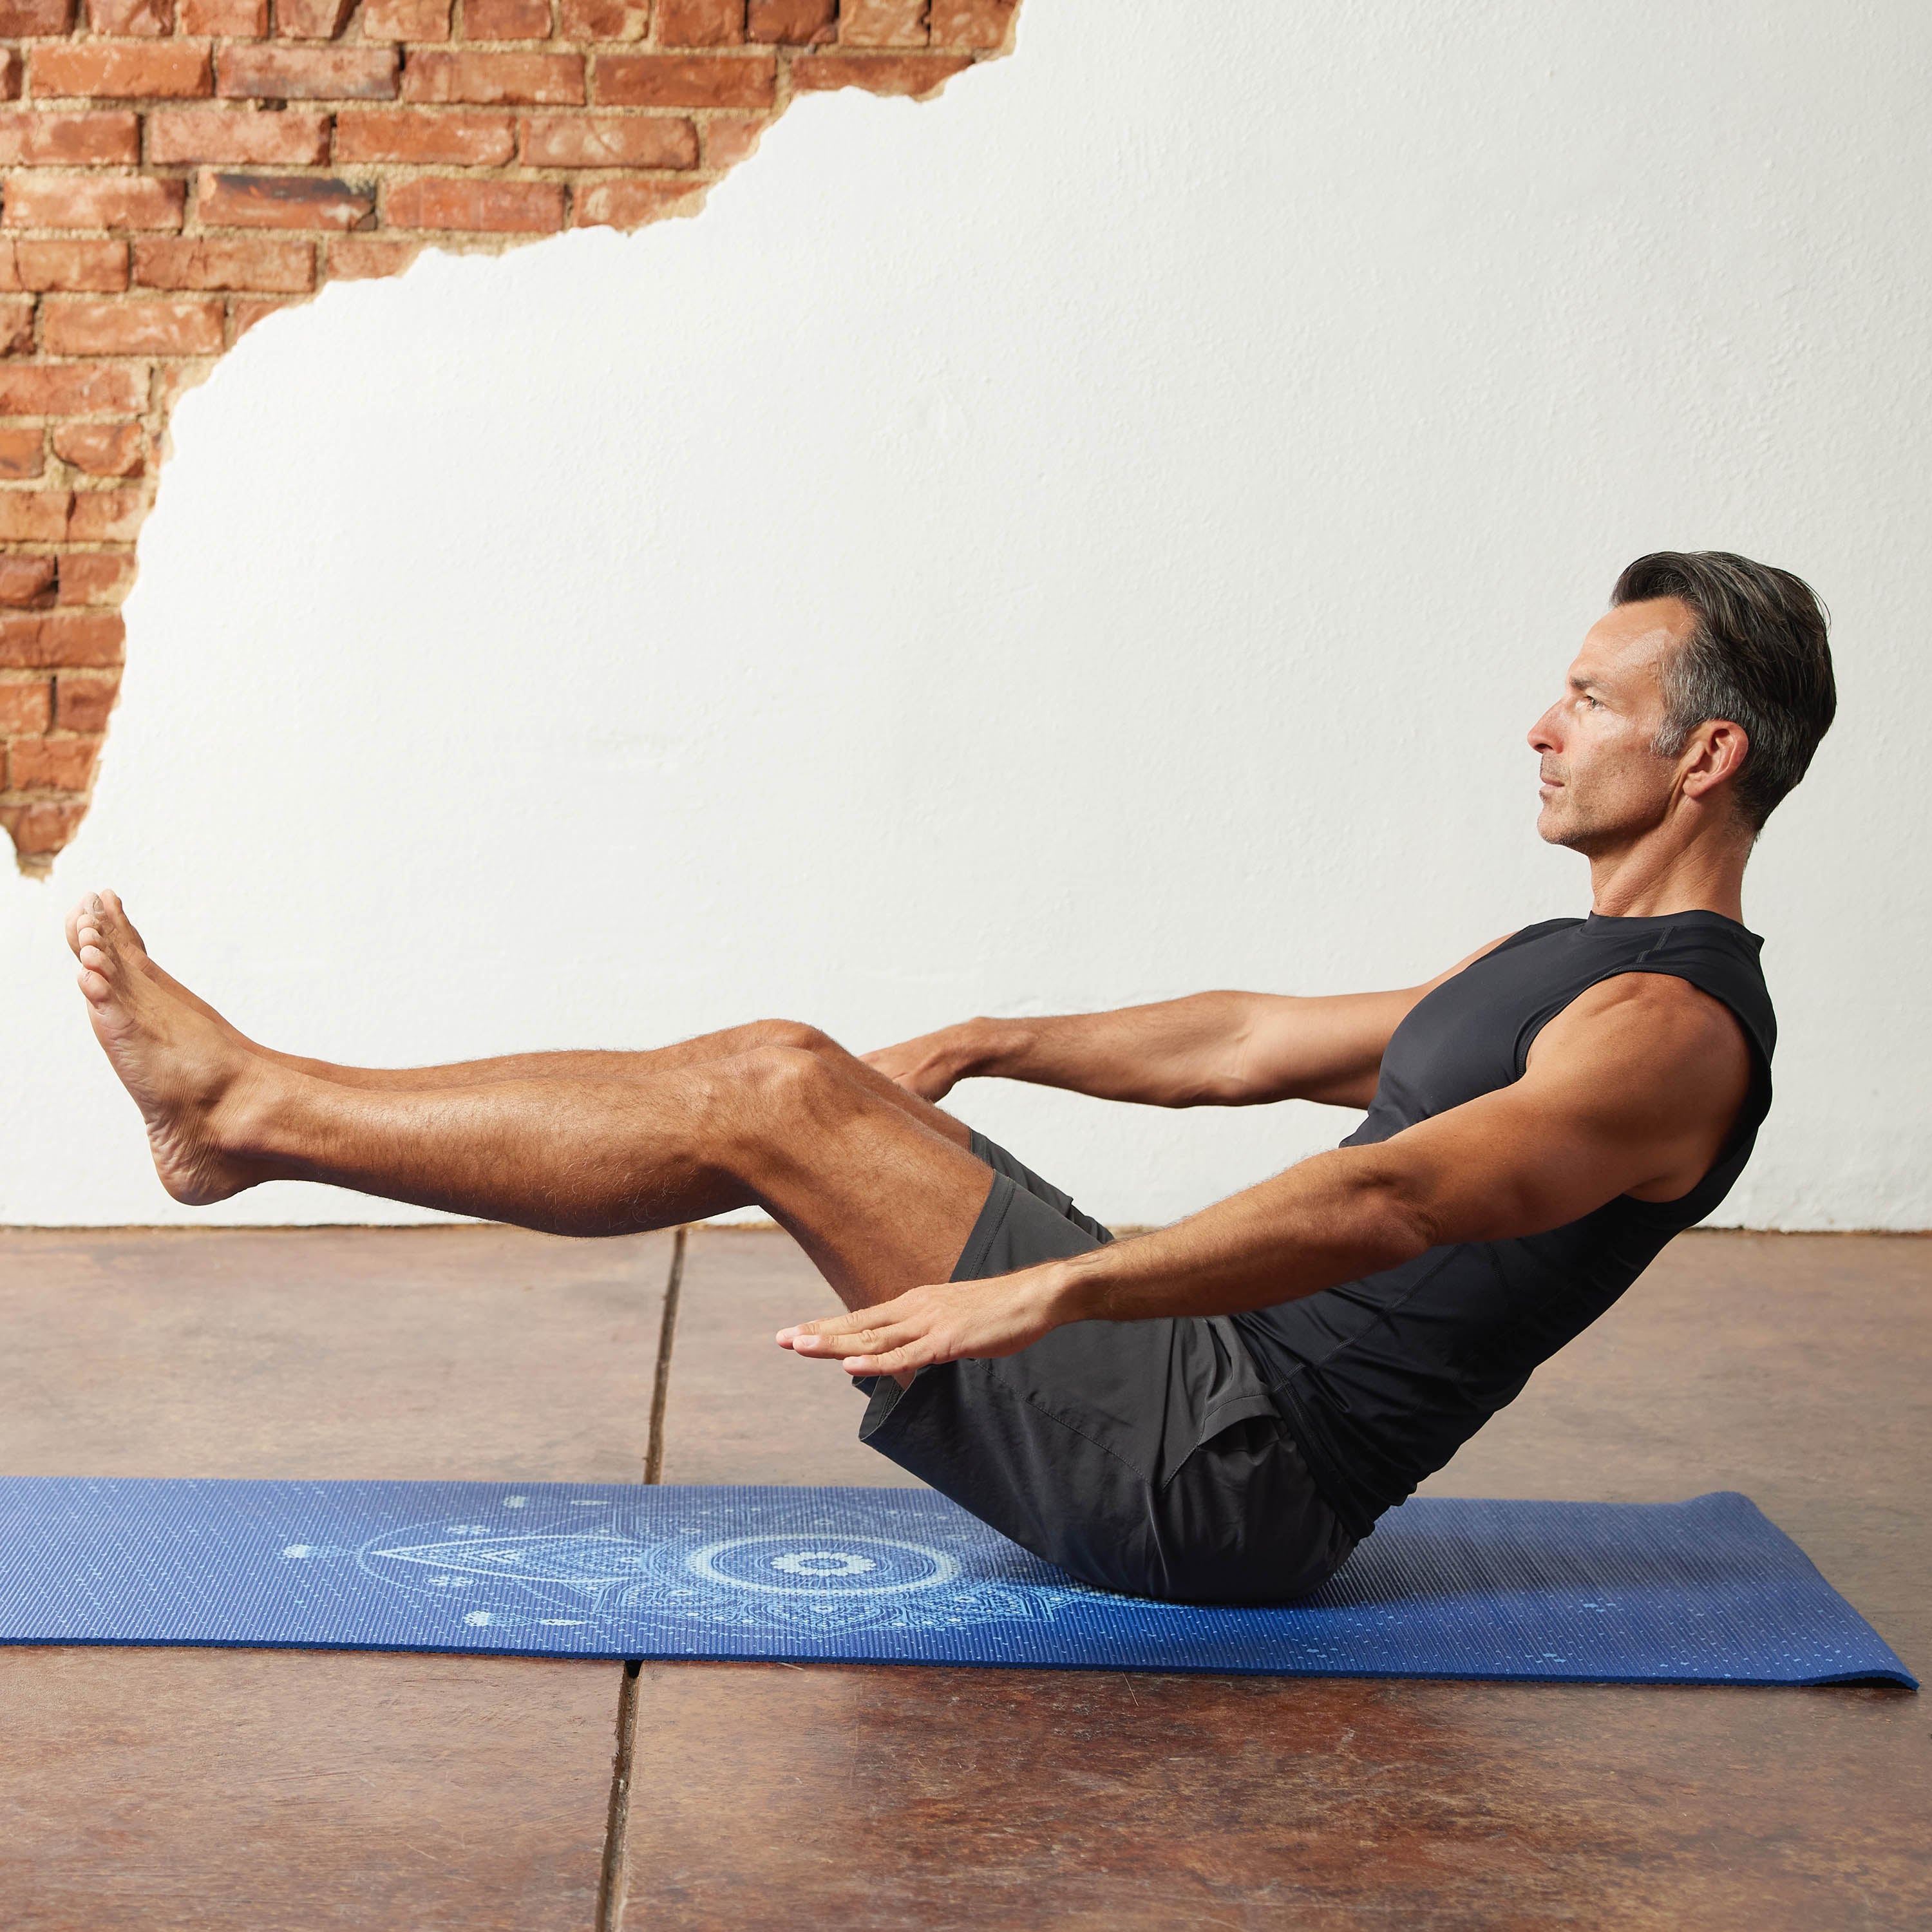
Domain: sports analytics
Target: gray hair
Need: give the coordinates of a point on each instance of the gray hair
(1758, 658)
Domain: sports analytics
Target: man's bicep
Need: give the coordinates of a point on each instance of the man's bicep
(1325, 1048)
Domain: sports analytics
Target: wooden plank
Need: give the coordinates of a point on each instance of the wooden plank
(774, 1796)
(266, 1789)
(263, 1790)
(881, 1798)
(417, 1353)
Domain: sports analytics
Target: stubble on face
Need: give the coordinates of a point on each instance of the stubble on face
(1600, 774)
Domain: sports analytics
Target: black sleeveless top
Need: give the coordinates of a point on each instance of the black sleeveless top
(1382, 1380)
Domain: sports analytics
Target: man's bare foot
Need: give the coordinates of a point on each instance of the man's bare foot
(190, 1071)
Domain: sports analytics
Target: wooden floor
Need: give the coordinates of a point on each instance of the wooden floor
(266, 1790)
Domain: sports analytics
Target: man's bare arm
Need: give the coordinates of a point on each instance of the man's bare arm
(1221, 1049)
(1632, 1090)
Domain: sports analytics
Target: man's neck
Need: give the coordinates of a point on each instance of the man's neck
(1650, 879)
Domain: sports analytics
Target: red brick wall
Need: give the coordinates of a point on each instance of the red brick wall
(176, 170)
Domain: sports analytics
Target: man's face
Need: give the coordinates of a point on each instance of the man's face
(1602, 781)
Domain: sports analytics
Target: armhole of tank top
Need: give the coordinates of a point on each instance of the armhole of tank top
(1757, 1102)
(1527, 1034)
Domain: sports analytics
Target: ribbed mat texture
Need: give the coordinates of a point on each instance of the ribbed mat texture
(1706, 1591)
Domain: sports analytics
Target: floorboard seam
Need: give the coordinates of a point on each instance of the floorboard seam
(617, 1817)
(654, 1449)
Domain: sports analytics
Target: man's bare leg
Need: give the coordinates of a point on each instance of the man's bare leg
(881, 1199)
(578, 1064)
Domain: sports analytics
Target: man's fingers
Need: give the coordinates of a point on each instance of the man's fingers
(893, 1362)
(829, 1338)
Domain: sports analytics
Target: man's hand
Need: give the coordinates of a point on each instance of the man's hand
(951, 1321)
(929, 1067)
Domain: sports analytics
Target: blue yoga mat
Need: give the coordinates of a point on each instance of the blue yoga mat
(1708, 1591)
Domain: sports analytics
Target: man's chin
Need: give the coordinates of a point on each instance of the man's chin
(1554, 828)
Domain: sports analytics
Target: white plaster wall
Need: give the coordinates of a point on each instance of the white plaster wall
(1096, 535)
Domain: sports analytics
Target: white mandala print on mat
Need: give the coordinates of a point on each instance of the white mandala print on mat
(816, 1578)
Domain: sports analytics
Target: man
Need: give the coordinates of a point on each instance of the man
(1218, 1411)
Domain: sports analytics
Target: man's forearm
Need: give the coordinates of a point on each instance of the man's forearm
(1178, 1053)
(1332, 1219)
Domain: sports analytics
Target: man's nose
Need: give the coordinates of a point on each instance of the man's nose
(1543, 732)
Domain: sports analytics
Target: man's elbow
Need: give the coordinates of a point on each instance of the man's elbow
(1401, 1213)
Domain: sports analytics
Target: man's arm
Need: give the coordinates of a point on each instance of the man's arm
(1209, 1050)
(1632, 1090)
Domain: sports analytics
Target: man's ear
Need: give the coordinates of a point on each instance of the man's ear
(1715, 754)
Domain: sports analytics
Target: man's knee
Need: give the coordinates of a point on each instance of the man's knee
(793, 1035)
(774, 1097)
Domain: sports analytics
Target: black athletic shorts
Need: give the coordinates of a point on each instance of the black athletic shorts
(1143, 1457)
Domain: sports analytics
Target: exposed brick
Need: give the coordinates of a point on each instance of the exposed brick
(26, 707)
(16, 325)
(27, 582)
(171, 381)
(479, 207)
(22, 20)
(730, 138)
(81, 389)
(632, 204)
(795, 23)
(39, 831)
(226, 261)
(602, 20)
(609, 141)
(251, 310)
(90, 640)
(915, 74)
(22, 454)
(312, 19)
(74, 327)
(107, 516)
(362, 258)
(509, 80)
(700, 23)
(678, 80)
(120, 70)
(130, 17)
(92, 201)
(237, 134)
(62, 265)
(52, 764)
(12, 74)
(33, 516)
(228, 19)
(409, 134)
(83, 703)
(406, 19)
(95, 577)
(280, 201)
(308, 73)
(882, 23)
(973, 23)
(103, 449)
(74, 140)
(506, 20)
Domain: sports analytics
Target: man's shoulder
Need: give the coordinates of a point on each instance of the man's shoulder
(1651, 1018)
